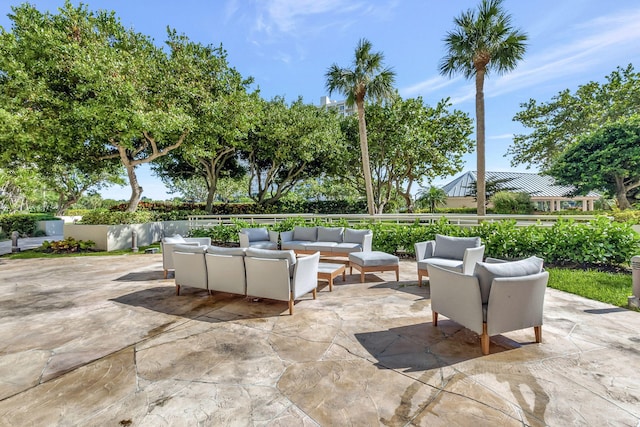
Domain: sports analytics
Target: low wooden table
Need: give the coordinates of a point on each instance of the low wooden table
(329, 271)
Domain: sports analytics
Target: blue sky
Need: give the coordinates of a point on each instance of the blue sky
(287, 46)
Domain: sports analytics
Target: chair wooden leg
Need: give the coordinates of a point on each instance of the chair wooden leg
(419, 280)
(484, 340)
(166, 273)
(361, 276)
(538, 331)
(314, 292)
(291, 304)
(177, 289)
(397, 273)
(434, 316)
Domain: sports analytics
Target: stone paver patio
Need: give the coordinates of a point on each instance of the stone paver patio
(104, 341)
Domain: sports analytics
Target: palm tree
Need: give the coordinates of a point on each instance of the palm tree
(479, 44)
(368, 78)
(432, 197)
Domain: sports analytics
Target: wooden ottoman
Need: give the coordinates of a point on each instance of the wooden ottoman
(373, 261)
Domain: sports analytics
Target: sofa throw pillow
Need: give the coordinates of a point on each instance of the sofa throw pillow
(453, 247)
(256, 234)
(218, 250)
(308, 234)
(330, 234)
(486, 272)
(289, 255)
(355, 236)
(176, 238)
(190, 249)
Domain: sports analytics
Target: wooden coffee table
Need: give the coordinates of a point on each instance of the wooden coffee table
(329, 271)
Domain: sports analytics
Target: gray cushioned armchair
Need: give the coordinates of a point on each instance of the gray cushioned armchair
(496, 298)
(454, 253)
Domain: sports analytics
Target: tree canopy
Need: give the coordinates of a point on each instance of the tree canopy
(559, 123)
(608, 158)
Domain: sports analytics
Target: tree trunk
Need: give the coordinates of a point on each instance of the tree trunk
(480, 143)
(621, 194)
(136, 190)
(364, 151)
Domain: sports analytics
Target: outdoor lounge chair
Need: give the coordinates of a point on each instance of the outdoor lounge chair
(496, 298)
(454, 253)
(168, 243)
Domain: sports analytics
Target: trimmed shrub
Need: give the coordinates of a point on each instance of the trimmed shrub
(25, 224)
(106, 217)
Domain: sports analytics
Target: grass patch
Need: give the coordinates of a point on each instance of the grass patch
(34, 253)
(611, 288)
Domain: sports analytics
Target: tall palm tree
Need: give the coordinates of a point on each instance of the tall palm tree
(367, 78)
(482, 43)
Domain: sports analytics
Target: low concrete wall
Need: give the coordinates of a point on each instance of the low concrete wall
(170, 228)
(51, 228)
(115, 237)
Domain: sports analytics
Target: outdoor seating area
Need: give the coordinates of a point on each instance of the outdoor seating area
(111, 344)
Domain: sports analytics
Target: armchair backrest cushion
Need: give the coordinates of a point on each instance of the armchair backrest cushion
(305, 234)
(486, 272)
(218, 250)
(355, 236)
(256, 234)
(330, 234)
(190, 249)
(454, 247)
(173, 239)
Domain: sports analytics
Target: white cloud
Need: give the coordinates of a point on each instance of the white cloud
(605, 41)
(427, 86)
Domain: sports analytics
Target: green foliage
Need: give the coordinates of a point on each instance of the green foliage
(68, 245)
(628, 215)
(106, 217)
(557, 124)
(608, 158)
(25, 224)
(505, 202)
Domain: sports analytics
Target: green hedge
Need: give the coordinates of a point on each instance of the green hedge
(25, 224)
(107, 217)
(598, 242)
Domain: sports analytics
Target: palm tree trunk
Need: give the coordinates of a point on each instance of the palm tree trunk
(480, 143)
(364, 151)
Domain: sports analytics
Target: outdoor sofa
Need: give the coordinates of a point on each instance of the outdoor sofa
(253, 272)
(329, 241)
(167, 244)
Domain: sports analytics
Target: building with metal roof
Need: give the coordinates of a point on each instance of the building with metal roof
(544, 192)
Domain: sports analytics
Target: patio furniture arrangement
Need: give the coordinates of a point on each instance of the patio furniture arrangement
(495, 298)
(255, 272)
(454, 253)
(167, 244)
(258, 238)
(329, 241)
(366, 262)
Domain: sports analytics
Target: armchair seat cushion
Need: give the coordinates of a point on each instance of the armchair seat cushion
(486, 272)
(264, 244)
(449, 264)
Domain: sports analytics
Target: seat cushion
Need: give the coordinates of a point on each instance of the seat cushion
(263, 244)
(355, 236)
(308, 234)
(320, 246)
(256, 234)
(218, 250)
(345, 248)
(330, 234)
(449, 264)
(454, 247)
(373, 259)
(296, 245)
(486, 272)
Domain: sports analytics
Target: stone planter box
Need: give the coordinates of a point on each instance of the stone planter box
(115, 237)
(51, 228)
